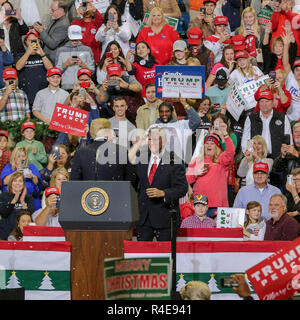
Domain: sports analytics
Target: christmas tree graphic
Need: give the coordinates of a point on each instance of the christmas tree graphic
(46, 282)
(248, 282)
(13, 281)
(212, 284)
(180, 283)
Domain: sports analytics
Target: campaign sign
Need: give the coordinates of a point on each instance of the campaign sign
(230, 217)
(235, 103)
(137, 279)
(69, 120)
(183, 79)
(278, 276)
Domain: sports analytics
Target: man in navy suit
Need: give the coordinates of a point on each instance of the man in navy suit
(162, 182)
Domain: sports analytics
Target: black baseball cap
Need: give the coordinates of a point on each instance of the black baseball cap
(221, 77)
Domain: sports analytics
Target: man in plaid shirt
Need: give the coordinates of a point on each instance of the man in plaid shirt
(199, 218)
(14, 102)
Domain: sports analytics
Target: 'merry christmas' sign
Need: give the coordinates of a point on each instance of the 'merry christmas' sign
(69, 120)
(207, 261)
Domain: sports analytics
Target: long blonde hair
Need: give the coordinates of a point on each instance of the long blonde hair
(164, 20)
(255, 25)
(15, 154)
(249, 69)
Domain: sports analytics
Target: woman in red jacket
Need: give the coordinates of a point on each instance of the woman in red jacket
(159, 36)
(282, 96)
(143, 67)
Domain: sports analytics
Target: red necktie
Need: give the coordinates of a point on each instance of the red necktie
(152, 170)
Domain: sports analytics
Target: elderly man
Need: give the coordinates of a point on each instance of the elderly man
(56, 34)
(273, 126)
(161, 184)
(281, 227)
(259, 191)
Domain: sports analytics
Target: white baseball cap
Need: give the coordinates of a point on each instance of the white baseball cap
(74, 33)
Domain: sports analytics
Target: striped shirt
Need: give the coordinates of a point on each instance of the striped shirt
(16, 107)
(195, 222)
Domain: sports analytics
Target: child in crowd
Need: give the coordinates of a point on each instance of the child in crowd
(35, 149)
(254, 226)
(23, 219)
(5, 154)
(199, 219)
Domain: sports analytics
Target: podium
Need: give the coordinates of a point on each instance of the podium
(97, 217)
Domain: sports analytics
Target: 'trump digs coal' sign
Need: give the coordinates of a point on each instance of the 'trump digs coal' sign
(277, 277)
(69, 120)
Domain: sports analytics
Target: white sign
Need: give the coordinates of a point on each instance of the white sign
(188, 86)
(235, 103)
(230, 217)
(100, 5)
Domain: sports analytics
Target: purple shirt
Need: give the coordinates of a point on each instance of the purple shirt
(195, 222)
(285, 229)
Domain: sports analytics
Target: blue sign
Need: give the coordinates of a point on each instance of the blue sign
(177, 70)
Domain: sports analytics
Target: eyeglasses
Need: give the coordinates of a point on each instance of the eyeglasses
(52, 11)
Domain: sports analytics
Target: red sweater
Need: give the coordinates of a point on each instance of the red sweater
(89, 30)
(161, 44)
(214, 183)
(144, 76)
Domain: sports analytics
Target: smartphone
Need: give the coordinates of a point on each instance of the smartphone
(10, 12)
(57, 201)
(55, 151)
(33, 41)
(113, 82)
(10, 82)
(216, 125)
(206, 165)
(289, 179)
(132, 46)
(84, 5)
(111, 17)
(250, 146)
(272, 75)
(228, 282)
(247, 27)
(203, 10)
(84, 84)
(26, 171)
(2, 36)
(82, 92)
(39, 23)
(22, 163)
(74, 57)
(109, 55)
(287, 139)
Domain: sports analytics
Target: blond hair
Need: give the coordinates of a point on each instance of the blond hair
(164, 20)
(15, 154)
(55, 173)
(261, 140)
(193, 60)
(97, 125)
(195, 290)
(255, 25)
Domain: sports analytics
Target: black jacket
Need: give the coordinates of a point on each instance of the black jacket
(136, 9)
(108, 167)
(169, 178)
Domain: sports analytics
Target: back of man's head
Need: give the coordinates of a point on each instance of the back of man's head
(195, 290)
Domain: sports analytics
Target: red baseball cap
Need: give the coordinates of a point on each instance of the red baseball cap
(51, 190)
(260, 166)
(28, 124)
(10, 73)
(221, 20)
(296, 64)
(264, 94)
(114, 70)
(214, 1)
(82, 71)
(53, 71)
(238, 42)
(4, 133)
(195, 35)
(241, 54)
(32, 31)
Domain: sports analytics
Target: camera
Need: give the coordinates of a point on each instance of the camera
(84, 5)
(74, 57)
(203, 10)
(228, 282)
(10, 82)
(84, 84)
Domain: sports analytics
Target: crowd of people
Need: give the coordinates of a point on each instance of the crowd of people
(187, 155)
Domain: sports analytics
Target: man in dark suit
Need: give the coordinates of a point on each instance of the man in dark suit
(102, 159)
(162, 182)
(56, 34)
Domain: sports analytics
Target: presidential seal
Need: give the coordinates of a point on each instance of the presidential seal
(94, 201)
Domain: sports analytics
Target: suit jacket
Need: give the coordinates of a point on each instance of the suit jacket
(169, 178)
(84, 165)
(55, 36)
